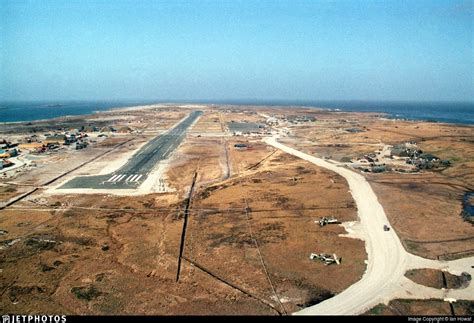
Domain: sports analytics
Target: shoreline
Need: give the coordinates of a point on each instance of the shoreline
(381, 114)
(95, 112)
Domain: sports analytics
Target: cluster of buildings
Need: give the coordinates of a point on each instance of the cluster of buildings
(408, 149)
(370, 163)
(296, 119)
(293, 119)
(7, 150)
(54, 141)
(35, 145)
(416, 157)
(92, 128)
(272, 121)
(406, 157)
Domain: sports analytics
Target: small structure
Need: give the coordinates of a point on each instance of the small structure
(8, 153)
(331, 220)
(379, 169)
(354, 130)
(51, 146)
(300, 118)
(125, 129)
(108, 129)
(55, 140)
(4, 154)
(32, 138)
(6, 163)
(70, 138)
(371, 158)
(81, 145)
(386, 227)
(13, 152)
(89, 128)
(429, 157)
(405, 150)
(245, 128)
(427, 161)
(241, 146)
(272, 121)
(10, 144)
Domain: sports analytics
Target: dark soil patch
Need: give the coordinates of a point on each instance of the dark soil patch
(463, 307)
(87, 293)
(454, 281)
(434, 278)
(15, 292)
(41, 243)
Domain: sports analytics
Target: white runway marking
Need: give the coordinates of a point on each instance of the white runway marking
(120, 178)
(136, 180)
(112, 178)
(129, 178)
(133, 178)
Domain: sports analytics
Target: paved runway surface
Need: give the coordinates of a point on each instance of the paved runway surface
(137, 168)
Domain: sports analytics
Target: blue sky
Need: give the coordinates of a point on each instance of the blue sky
(266, 50)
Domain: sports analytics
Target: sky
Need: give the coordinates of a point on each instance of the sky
(237, 50)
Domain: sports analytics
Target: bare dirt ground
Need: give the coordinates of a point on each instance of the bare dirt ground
(74, 259)
(104, 254)
(426, 307)
(250, 226)
(416, 204)
(281, 221)
(437, 278)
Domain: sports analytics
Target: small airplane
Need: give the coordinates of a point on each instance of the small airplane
(326, 258)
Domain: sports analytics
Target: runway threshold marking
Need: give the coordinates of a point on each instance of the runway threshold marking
(112, 178)
(120, 178)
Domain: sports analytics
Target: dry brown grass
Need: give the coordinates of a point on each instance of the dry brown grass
(417, 205)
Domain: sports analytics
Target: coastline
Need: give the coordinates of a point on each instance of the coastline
(95, 112)
(379, 114)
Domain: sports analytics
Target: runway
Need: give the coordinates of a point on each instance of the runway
(138, 167)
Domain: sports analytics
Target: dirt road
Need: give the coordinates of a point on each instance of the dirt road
(387, 259)
(386, 256)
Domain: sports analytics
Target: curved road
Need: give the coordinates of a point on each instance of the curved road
(387, 259)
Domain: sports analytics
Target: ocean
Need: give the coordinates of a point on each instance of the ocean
(450, 112)
(30, 111)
